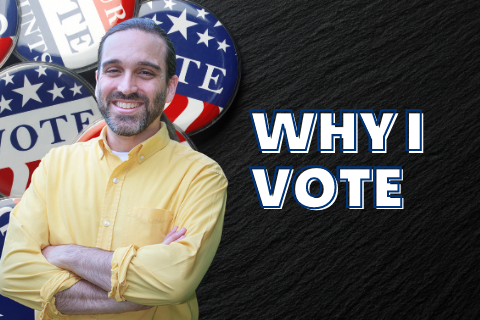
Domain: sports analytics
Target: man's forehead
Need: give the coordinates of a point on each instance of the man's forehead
(146, 44)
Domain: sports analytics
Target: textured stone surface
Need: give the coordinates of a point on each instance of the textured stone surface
(417, 263)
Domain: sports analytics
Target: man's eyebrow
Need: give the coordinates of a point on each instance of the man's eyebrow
(149, 64)
(110, 62)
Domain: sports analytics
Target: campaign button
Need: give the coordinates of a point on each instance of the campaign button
(42, 106)
(10, 309)
(68, 32)
(9, 28)
(208, 66)
(93, 131)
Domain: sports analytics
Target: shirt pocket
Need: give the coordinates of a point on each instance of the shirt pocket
(146, 226)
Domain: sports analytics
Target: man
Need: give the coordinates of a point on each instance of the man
(90, 234)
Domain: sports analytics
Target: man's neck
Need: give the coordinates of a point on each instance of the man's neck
(125, 144)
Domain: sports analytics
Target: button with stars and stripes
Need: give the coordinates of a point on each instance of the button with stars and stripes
(208, 66)
(9, 28)
(10, 309)
(68, 32)
(42, 106)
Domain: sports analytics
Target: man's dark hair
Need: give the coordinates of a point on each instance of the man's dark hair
(148, 26)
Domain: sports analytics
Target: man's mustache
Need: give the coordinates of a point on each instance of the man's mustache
(135, 96)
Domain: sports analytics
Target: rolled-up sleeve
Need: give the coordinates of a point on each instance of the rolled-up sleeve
(169, 274)
(25, 274)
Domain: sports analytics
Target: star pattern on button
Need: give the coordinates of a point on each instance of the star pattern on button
(28, 91)
(169, 4)
(5, 104)
(200, 40)
(202, 13)
(41, 71)
(56, 91)
(154, 19)
(180, 24)
(204, 37)
(8, 79)
(223, 45)
(76, 89)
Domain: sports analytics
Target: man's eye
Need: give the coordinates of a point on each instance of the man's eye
(112, 71)
(147, 73)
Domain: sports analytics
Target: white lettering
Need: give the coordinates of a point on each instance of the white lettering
(3, 24)
(30, 24)
(116, 15)
(208, 78)
(40, 43)
(183, 72)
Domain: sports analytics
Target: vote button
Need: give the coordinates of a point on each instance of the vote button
(208, 66)
(42, 106)
(68, 32)
(9, 28)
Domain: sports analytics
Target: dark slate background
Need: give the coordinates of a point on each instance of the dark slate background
(421, 262)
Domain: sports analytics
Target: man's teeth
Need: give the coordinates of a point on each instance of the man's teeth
(124, 105)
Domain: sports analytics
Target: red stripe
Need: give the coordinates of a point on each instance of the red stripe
(180, 137)
(210, 112)
(176, 107)
(31, 167)
(5, 45)
(6, 181)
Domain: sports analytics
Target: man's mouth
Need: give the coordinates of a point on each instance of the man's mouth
(127, 105)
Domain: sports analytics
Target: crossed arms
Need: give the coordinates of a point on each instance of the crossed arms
(90, 295)
(157, 274)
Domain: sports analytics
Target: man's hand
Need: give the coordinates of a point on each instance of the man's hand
(174, 235)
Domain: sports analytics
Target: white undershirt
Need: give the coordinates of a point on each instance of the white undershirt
(122, 155)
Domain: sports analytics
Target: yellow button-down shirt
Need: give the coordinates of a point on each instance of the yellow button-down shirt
(83, 194)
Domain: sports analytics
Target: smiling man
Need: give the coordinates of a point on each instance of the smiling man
(91, 234)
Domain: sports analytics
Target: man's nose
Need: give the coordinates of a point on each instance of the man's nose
(127, 84)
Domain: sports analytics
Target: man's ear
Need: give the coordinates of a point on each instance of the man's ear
(171, 88)
(96, 75)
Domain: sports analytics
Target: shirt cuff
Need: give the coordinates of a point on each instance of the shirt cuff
(120, 262)
(61, 281)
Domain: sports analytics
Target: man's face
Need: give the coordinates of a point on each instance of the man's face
(131, 83)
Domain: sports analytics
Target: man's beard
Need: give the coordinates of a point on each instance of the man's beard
(130, 125)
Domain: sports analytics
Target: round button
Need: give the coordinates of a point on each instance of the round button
(9, 28)
(68, 33)
(115, 180)
(142, 157)
(33, 97)
(106, 223)
(208, 66)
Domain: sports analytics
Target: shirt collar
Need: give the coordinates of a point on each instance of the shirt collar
(143, 150)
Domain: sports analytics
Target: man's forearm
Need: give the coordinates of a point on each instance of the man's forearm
(91, 264)
(86, 298)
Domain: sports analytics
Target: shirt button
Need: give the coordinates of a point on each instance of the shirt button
(142, 157)
(106, 223)
(115, 180)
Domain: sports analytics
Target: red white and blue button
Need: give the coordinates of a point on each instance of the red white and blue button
(68, 32)
(42, 106)
(10, 309)
(9, 28)
(207, 63)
